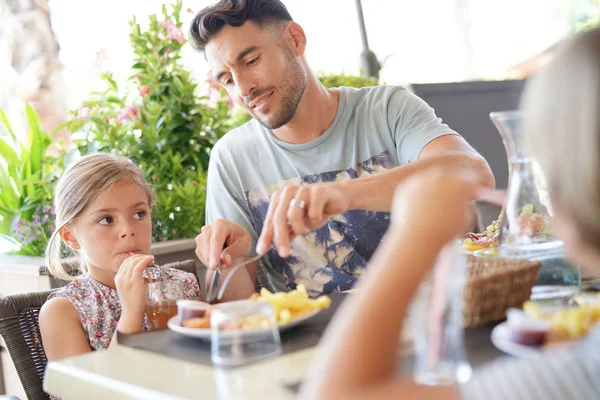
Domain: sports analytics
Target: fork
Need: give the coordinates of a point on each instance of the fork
(212, 294)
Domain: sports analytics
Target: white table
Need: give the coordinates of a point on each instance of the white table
(126, 373)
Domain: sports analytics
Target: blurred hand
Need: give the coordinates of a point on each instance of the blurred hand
(434, 203)
(297, 210)
(130, 283)
(223, 241)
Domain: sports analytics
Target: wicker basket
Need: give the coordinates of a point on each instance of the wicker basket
(494, 285)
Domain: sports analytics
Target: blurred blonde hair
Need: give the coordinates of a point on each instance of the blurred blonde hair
(561, 119)
(76, 190)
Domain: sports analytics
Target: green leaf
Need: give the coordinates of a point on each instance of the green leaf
(7, 125)
(9, 195)
(36, 139)
(8, 154)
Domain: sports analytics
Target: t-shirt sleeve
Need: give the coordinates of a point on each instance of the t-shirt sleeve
(552, 376)
(413, 124)
(224, 196)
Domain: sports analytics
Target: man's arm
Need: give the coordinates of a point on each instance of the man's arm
(313, 204)
(375, 192)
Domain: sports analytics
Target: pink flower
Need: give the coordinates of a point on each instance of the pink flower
(127, 114)
(84, 113)
(173, 31)
(167, 51)
(230, 101)
(214, 85)
(102, 55)
(144, 90)
(189, 11)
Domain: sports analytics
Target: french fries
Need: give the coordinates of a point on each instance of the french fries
(286, 308)
(292, 305)
(570, 323)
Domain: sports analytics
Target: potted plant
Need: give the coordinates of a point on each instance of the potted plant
(160, 122)
(27, 176)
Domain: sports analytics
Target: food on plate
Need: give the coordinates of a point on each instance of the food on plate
(198, 323)
(291, 305)
(488, 239)
(530, 223)
(287, 307)
(563, 325)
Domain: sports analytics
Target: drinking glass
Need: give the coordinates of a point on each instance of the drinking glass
(161, 302)
(437, 322)
(242, 332)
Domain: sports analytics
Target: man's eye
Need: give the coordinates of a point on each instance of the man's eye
(253, 61)
(106, 221)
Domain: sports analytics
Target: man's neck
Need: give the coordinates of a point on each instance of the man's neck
(315, 114)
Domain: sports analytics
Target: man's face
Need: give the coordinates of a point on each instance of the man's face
(259, 71)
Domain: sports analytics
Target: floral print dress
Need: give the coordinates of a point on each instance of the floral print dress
(99, 308)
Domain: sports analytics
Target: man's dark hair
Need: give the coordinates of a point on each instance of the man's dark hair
(209, 21)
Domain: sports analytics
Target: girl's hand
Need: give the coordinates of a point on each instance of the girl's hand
(130, 283)
(433, 204)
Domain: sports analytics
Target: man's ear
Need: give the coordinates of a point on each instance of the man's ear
(295, 38)
(67, 235)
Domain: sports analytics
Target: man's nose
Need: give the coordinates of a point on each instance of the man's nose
(245, 86)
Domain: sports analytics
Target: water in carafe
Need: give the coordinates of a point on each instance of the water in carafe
(526, 220)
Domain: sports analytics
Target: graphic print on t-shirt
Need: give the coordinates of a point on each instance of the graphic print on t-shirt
(332, 258)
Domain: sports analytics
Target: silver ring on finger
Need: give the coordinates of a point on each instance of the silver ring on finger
(300, 204)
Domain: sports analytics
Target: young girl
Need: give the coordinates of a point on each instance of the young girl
(562, 123)
(102, 206)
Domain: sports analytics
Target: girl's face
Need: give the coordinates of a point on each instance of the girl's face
(116, 225)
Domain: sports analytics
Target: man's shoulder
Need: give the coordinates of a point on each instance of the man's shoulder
(242, 138)
(381, 92)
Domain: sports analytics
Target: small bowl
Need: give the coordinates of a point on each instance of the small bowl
(525, 329)
(188, 309)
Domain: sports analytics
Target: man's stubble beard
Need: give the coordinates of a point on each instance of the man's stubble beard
(292, 89)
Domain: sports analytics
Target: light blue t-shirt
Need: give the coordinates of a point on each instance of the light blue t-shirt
(375, 129)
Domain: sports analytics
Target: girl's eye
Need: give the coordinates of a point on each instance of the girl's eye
(139, 215)
(106, 221)
(228, 82)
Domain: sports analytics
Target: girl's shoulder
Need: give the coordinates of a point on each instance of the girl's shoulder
(77, 288)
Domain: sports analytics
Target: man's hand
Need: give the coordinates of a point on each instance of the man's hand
(297, 210)
(223, 241)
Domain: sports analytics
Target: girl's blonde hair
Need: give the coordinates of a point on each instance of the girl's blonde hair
(561, 119)
(76, 190)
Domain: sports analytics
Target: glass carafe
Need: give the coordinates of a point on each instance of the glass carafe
(527, 216)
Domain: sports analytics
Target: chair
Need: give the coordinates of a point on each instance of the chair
(186, 266)
(21, 333)
(19, 328)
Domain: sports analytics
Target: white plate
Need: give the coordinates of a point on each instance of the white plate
(173, 324)
(501, 339)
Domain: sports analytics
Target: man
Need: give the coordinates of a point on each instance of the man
(314, 172)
